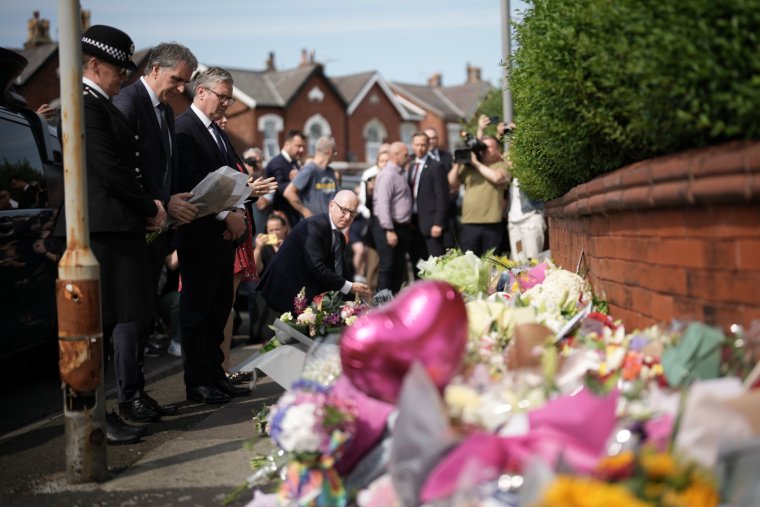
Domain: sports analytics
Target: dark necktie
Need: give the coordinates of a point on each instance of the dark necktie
(219, 140)
(165, 140)
(413, 179)
(338, 251)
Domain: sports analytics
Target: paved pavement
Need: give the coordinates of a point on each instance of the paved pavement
(193, 458)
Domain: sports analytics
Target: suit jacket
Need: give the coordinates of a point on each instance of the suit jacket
(445, 159)
(305, 259)
(117, 200)
(199, 155)
(280, 168)
(135, 103)
(432, 195)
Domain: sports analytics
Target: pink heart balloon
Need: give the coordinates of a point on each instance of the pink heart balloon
(427, 323)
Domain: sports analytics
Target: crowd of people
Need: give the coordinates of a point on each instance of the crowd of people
(297, 230)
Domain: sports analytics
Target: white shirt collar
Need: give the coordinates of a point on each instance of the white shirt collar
(92, 84)
(153, 97)
(287, 157)
(205, 119)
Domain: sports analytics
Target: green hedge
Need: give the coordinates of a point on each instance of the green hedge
(598, 84)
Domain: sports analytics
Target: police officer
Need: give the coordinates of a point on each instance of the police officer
(120, 213)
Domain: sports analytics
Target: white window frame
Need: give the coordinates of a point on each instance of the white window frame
(372, 147)
(320, 122)
(271, 144)
(406, 131)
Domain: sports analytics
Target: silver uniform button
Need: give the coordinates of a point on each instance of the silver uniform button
(137, 154)
(137, 169)
(137, 137)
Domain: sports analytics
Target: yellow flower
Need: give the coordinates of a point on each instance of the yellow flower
(698, 494)
(582, 492)
(658, 465)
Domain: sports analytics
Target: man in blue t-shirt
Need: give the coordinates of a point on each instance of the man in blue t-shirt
(315, 184)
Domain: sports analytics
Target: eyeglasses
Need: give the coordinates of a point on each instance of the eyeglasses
(251, 161)
(346, 211)
(224, 99)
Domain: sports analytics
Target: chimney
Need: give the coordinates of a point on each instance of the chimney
(473, 74)
(38, 31)
(304, 57)
(435, 80)
(311, 56)
(85, 18)
(270, 62)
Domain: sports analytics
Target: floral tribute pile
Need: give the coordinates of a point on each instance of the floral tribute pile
(512, 386)
(327, 312)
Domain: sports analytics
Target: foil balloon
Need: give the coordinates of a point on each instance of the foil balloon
(426, 323)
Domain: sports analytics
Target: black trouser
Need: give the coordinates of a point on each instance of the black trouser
(479, 238)
(424, 245)
(392, 262)
(128, 359)
(204, 307)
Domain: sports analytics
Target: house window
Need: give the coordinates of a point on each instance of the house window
(314, 128)
(374, 134)
(407, 131)
(270, 126)
(453, 131)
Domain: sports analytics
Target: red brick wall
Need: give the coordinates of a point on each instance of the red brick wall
(673, 237)
(44, 86)
(383, 110)
(331, 108)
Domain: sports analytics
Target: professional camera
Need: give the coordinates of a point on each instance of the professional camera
(471, 145)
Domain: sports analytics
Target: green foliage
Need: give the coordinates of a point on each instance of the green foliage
(598, 84)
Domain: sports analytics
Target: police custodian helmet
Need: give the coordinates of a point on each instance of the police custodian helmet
(109, 44)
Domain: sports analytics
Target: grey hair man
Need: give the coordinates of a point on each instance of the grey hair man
(316, 183)
(206, 247)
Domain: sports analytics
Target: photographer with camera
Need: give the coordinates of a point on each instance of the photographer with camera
(485, 174)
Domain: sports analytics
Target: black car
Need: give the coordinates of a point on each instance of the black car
(31, 191)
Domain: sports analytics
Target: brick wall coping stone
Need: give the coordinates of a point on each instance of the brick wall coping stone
(724, 174)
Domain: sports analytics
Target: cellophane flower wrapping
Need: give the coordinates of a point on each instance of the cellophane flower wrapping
(466, 272)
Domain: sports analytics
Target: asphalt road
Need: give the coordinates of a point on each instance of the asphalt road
(32, 449)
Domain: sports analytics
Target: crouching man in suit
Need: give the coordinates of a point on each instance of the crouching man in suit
(311, 257)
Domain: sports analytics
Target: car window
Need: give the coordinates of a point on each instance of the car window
(21, 169)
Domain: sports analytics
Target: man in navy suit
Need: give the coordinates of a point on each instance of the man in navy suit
(283, 168)
(430, 200)
(311, 257)
(444, 158)
(146, 105)
(205, 246)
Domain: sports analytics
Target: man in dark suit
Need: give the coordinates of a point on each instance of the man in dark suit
(430, 197)
(444, 158)
(146, 106)
(311, 257)
(206, 245)
(120, 211)
(283, 168)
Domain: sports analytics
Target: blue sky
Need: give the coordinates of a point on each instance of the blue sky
(405, 40)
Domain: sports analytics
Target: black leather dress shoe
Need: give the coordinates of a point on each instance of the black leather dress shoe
(206, 394)
(162, 410)
(226, 387)
(138, 410)
(118, 432)
(239, 377)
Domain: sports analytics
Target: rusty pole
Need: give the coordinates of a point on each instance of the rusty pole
(80, 337)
